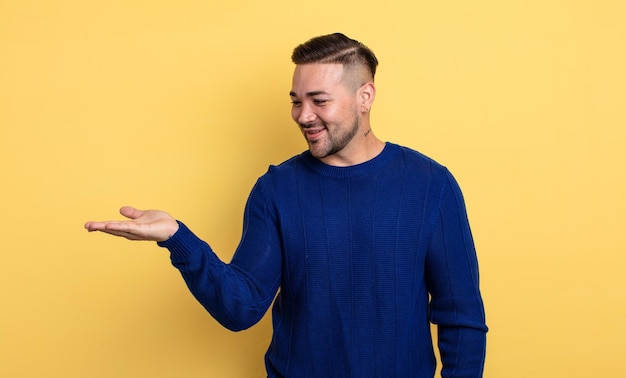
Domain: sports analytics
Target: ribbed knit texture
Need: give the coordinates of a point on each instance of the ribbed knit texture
(356, 252)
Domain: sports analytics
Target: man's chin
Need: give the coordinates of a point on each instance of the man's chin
(317, 150)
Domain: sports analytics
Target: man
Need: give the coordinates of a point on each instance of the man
(355, 235)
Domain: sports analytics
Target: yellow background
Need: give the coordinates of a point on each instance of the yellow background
(181, 105)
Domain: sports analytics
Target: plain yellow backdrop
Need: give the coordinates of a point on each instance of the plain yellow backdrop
(181, 105)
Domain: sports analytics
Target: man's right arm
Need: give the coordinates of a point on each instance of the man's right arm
(239, 293)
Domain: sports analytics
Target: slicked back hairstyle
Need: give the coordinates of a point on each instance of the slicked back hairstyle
(336, 48)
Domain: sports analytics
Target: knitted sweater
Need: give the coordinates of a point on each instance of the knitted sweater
(362, 258)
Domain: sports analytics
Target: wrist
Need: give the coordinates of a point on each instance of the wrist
(171, 229)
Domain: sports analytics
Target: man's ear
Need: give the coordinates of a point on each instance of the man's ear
(366, 96)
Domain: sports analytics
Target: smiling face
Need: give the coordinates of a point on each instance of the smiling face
(326, 108)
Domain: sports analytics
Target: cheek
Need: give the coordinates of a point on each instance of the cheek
(295, 113)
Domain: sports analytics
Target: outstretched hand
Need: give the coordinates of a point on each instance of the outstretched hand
(154, 225)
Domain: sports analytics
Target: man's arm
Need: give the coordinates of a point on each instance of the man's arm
(236, 294)
(456, 304)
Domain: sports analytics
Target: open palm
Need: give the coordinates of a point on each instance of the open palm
(154, 225)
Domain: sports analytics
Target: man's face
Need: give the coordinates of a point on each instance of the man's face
(324, 108)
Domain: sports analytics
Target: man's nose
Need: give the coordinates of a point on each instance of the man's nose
(307, 115)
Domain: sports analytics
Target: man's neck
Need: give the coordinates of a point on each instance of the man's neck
(367, 148)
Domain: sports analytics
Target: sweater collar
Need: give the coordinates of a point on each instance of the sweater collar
(387, 155)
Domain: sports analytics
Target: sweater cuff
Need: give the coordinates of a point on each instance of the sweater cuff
(182, 244)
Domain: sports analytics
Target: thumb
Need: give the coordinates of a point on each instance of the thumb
(131, 212)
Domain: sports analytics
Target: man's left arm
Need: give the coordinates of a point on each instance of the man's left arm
(453, 282)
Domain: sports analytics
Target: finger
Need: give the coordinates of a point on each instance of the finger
(131, 212)
(110, 225)
(127, 235)
(96, 226)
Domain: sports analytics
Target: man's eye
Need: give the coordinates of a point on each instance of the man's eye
(295, 103)
(320, 102)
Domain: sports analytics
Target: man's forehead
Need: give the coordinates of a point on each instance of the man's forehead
(316, 76)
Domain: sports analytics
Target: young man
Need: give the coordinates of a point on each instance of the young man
(367, 241)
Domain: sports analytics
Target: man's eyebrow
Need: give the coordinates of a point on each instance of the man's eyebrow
(309, 94)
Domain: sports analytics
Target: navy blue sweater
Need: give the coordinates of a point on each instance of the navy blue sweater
(362, 258)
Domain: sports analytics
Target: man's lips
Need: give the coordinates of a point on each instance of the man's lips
(313, 133)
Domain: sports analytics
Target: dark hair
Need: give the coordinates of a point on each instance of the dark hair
(335, 48)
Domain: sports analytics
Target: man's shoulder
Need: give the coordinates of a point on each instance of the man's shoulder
(289, 165)
(418, 161)
(285, 170)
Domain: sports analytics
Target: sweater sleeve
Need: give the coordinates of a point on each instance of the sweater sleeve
(452, 273)
(239, 293)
